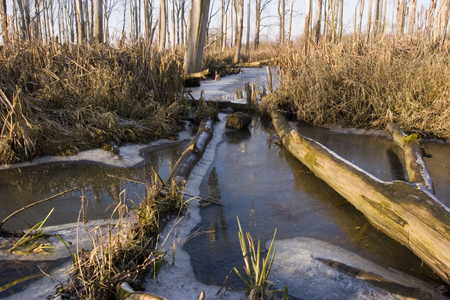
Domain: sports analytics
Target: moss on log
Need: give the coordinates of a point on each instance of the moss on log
(415, 165)
(409, 213)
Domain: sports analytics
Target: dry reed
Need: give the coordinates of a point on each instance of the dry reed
(367, 85)
(61, 99)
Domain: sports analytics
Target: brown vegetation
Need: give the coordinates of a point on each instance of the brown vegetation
(367, 86)
(61, 99)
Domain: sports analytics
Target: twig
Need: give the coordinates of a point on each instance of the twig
(123, 178)
(33, 204)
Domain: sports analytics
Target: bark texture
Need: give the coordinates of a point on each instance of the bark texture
(409, 213)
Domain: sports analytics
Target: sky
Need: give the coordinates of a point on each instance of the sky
(270, 22)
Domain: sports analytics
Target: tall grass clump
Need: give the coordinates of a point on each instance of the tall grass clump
(367, 85)
(256, 270)
(126, 251)
(60, 99)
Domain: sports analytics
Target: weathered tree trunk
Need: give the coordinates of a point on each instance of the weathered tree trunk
(4, 16)
(247, 43)
(162, 25)
(193, 153)
(257, 22)
(224, 37)
(291, 9)
(307, 25)
(361, 12)
(81, 28)
(98, 21)
(240, 26)
(369, 21)
(415, 165)
(173, 26)
(317, 21)
(197, 35)
(408, 213)
(412, 16)
(281, 18)
(341, 20)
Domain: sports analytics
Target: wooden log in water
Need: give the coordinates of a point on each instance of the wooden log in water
(409, 213)
(193, 153)
(226, 104)
(415, 165)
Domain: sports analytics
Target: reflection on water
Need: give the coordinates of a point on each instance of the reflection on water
(24, 273)
(268, 188)
(21, 187)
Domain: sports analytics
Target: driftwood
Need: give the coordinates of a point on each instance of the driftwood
(415, 166)
(225, 104)
(377, 280)
(407, 212)
(201, 74)
(193, 153)
(126, 292)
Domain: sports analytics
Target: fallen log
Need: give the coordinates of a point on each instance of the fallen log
(193, 153)
(409, 213)
(225, 104)
(415, 165)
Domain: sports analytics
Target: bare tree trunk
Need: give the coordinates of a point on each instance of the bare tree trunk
(86, 20)
(4, 16)
(369, 21)
(182, 22)
(173, 25)
(341, 20)
(81, 29)
(281, 17)
(291, 10)
(247, 44)
(430, 17)
(162, 25)
(412, 16)
(444, 16)
(98, 21)
(231, 23)
(240, 27)
(361, 12)
(224, 37)
(197, 35)
(257, 22)
(91, 27)
(222, 21)
(317, 20)
(307, 25)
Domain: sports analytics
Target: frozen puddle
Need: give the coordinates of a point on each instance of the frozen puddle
(297, 264)
(176, 280)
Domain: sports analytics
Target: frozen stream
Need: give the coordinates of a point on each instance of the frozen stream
(262, 184)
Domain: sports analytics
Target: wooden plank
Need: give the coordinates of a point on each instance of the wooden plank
(409, 213)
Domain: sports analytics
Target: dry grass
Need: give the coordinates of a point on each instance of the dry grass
(362, 85)
(123, 252)
(61, 99)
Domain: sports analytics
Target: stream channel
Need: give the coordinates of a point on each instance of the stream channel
(258, 181)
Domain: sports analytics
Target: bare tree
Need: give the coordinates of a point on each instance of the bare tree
(247, 44)
(412, 16)
(4, 16)
(317, 21)
(281, 17)
(240, 27)
(81, 29)
(307, 24)
(98, 21)
(162, 25)
(259, 9)
(290, 21)
(197, 35)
